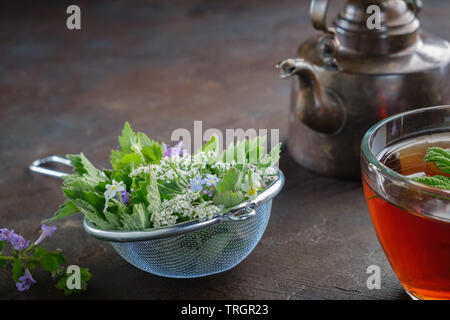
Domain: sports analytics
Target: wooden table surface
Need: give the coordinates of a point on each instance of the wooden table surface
(161, 65)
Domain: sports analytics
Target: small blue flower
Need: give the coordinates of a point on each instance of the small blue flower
(211, 180)
(196, 184)
(172, 151)
(16, 240)
(124, 196)
(25, 281)
(5, 234)
(47, 231)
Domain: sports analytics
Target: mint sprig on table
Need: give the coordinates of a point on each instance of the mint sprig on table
(153, 185)
(441, 157)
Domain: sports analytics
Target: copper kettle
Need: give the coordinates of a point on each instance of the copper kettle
(357, 73)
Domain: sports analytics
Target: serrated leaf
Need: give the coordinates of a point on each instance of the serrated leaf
(65, 210)
(441, 157)
(112, 219)
(50, 261)
(228, 198)
(92, 214)
(271, 158)
(153, 197)
(93, 198)
(130, 159)
(138, 220)
(435, 181)
(153, 153)
(126, 138)
(83, 167)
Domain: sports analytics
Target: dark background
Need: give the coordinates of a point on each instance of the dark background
(161, 65)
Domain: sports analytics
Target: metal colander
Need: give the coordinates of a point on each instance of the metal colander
(191, 249)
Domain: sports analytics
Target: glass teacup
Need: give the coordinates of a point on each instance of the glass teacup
(412, 220)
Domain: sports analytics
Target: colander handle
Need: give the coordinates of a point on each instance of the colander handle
(240, 215)
(36, 166)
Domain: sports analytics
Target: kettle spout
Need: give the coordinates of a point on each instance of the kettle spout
(317, 108)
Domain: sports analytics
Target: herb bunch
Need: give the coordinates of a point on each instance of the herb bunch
(441, 158)
(20, 256)
(153, 185)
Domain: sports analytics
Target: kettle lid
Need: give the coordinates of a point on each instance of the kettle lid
(377, 27)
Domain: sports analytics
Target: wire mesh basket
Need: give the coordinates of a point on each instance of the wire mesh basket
(190, 249)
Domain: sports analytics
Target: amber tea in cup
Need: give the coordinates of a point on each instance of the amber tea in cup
(412, 220)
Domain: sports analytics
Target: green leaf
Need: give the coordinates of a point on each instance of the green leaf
(130, 159)
(83, 167)
(271, 158)
(153, 153)
(50, 261)
(96, 200)
(115, 157)
(153, 197)
(113, 219)
(2, 245)
(138, 220)
(92, 214)
(228, 198)
(229, 181)
(65, 210)
(126, 138)
(18, 270)
(245, 151)
(439, 156)
(85, 276)
(132, 142)
(435, 181)
(32, 264)
(168, 189)
(211, 145)
(39, 252)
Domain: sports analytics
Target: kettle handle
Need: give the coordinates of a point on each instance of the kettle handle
(318, 13)
(415, 6)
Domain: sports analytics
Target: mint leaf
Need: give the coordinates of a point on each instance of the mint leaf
(18, 270)
(65, 210)
(435, 181)
(439, 156)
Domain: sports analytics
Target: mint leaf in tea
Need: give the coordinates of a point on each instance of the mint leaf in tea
(438, 162)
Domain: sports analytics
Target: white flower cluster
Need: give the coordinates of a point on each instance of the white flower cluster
(183, 205)
(187, 167)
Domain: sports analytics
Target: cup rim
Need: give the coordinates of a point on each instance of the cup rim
(395, 176)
